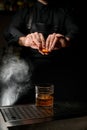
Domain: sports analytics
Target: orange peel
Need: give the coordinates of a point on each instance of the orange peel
(45, 50)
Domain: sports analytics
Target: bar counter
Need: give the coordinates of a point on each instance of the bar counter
(63, 116)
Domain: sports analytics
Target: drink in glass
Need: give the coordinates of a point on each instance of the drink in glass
(44, 95)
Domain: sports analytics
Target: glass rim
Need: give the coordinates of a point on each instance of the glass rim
(44, 85)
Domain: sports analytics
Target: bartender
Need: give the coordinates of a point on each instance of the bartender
(36, 37)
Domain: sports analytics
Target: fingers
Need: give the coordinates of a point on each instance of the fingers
(42, 40)
(37, 41)
(59, 35)
(37, 38)
(52, 40)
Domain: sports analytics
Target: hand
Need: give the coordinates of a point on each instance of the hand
(56, 41)
(34, 40)
(52, 40)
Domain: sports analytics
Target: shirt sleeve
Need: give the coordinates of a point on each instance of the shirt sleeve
(15, 28)
(71, 26)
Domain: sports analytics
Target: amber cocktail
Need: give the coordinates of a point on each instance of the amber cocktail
(44, 95)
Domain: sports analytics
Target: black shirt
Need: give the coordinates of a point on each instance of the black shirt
(45, 19)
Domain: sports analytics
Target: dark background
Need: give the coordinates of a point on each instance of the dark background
(77, 89)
